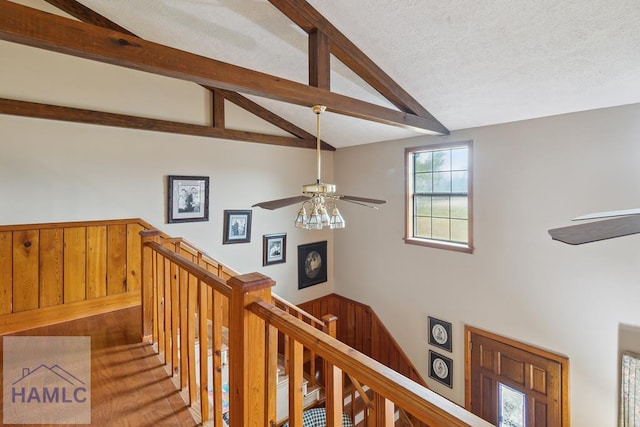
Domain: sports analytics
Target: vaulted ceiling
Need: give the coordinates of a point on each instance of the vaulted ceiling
(440, 65)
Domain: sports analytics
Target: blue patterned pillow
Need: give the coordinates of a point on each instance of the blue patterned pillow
(316, 417)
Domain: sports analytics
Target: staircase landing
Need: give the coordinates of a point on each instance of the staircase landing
(130, 386)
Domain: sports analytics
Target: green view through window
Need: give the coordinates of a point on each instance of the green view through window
(439, 196)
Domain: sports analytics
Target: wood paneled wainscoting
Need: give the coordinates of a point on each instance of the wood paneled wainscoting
(51, 273)
(359, 327)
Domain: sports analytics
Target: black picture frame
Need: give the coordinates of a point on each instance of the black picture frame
(312, 264)
(237, 226)
(274, 249)
(440, 333)
(441, 368)
(188, 198)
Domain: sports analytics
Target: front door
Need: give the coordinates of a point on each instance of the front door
(511, 384)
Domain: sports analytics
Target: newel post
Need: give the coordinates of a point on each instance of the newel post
(248, 350)
(147, 282)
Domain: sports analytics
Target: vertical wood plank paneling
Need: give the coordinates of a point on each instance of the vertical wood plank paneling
(6, 272)
(116, 259)
(393, 357)
(375, 340)
(96, 261)
(51, 267)
(25, 269)
(75, 242)
(366, 332)
(358, 328)
(134, 251)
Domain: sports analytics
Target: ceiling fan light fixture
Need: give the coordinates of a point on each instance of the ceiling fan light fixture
(315, 220)
(324, 216)
(302, 219)
(319, 198)
(336, 221)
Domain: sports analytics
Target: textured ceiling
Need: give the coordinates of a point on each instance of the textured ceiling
(469, 62)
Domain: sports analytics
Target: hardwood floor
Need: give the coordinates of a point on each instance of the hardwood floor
(129, 384)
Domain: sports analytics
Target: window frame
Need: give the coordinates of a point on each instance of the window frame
(409, 236)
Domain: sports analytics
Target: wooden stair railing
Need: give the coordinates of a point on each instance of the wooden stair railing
(178, 296)
(187, 290)
(389, 387)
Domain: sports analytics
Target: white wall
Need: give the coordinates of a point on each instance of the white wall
(529, 177)
(56, 171)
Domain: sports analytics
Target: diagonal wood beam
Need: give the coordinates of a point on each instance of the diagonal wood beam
(31, 27)
(83, 13)
(263, 113)
(77, 115)
(310, 20)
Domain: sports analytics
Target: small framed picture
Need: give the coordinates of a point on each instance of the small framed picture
(440, 333)
(274, 249)
(188, 199)
(441, 368)
(312, 264)
(237, 226)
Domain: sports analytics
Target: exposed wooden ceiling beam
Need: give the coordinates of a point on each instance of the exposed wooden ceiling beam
(31, 27)
(77, 115)
(263, 113)
(310, 20)
(217, 110)
(83, 13)
(319, 60)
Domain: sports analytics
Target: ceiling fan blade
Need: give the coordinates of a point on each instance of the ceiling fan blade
(281, 203)
(597, 230)
(608, 214)
(357, 203)
(362, 199)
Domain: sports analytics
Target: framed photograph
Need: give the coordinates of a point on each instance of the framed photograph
(274, 249)
(440, 333)
(237, 227)
(188, 199)
(441, 368)
(312, 264)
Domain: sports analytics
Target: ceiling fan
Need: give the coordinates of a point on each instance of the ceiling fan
(319, 197)
(611, 224)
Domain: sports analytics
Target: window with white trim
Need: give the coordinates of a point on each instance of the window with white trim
(439, 196)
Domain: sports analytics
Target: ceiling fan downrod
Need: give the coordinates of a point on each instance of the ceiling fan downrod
(318, 109)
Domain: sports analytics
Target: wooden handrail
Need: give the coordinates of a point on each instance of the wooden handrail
(419, 401)
(182, 295)
(314, 321)
(200, 273)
